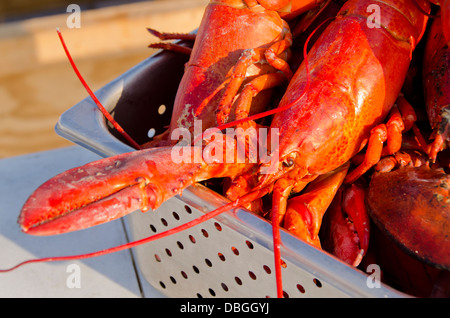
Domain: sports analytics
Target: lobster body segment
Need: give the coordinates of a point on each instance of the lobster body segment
(353, 86)
(237, 28)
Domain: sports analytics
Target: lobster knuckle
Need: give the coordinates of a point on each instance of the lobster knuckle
(395, 121)
(380, 133)
(408, 115)
(386, 164)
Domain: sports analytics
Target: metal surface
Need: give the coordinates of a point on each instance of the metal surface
(228, 256)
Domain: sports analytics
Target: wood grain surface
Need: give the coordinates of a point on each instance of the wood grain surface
(37, 83)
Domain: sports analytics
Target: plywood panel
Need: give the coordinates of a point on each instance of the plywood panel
(36, 82)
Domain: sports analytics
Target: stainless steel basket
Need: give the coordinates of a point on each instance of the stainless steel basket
(228, 256)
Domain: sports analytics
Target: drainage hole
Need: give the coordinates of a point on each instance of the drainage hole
(235, 250)
(151, 133)
(218, 226)
(153, 228)
(163, 221)
(173, 279)
(301, 288)
(285, 295)
(192, 239)
(168, 252)
(238, 280)
(249, 244)
(157, 258)
(162, 284)
(224, 287)
(317, 282)
(221, 256)
(180, 245)
(212, 292)
(162, 109)
(252, 275)
(195, 268)
(267, 269)
(176, 216)
(199, 295)
(188, 209)
(184, 274)
(205, 233)
(208, 262)
(283, 264)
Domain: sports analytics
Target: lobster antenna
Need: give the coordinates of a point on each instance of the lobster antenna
(276, 237)
(95, 99)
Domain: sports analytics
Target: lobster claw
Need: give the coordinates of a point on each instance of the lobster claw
(412, 205)
(346, 229)
(104, 190)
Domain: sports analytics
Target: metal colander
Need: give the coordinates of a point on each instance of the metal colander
(228, 256)
(231, 255)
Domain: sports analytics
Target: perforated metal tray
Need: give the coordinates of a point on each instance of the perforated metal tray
(228, 256)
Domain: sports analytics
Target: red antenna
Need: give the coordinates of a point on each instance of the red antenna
(95, 99)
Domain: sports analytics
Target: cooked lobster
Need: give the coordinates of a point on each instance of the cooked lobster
(346, 87)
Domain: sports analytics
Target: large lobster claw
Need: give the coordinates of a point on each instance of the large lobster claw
(110, 188)
(95, 193)
(412, 205)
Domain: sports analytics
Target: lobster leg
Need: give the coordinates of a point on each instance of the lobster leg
(172, 36)
(171, 46)
(251, 56)
(263, 82)
(400, 159)
(378, 136)
(401, 119)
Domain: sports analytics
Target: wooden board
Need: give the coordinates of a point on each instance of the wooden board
(37, 83)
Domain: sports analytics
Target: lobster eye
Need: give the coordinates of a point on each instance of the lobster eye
(289, 162)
